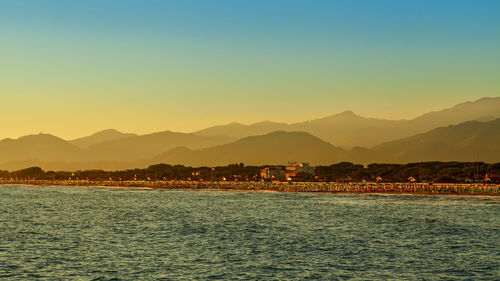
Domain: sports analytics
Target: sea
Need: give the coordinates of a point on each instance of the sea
(76, 233)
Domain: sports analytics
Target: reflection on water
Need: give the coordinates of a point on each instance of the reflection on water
(67, 233)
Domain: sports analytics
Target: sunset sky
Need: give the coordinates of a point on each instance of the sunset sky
(71, 68)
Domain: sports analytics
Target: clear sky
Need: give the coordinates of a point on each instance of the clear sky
(71, 68)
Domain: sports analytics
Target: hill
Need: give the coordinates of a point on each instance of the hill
(44, 147)
(50, 152)
(238, 130)
(309, 141)
(147, 146)
(273, 148)
(485, 109)
(106, 135)
(349, 130)
(468, 141)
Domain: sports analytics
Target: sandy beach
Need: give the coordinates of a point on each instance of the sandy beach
(327, 187)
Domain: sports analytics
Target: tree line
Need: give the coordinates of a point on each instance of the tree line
(459, 172)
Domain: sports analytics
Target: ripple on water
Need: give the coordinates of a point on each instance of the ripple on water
(104, 234)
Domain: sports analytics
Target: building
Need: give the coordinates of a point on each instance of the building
(299, 171)
(273, 173)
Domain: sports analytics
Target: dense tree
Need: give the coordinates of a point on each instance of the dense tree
(4, 174)
(28, 173)
(340, 172)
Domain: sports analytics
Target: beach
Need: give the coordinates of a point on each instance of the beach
(329, 187)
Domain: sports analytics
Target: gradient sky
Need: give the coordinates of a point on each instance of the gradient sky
(71, 68)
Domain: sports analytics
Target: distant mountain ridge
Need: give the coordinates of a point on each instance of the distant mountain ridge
(101, 136)
(38, 147)
(348, 130)
(237, 130)
(468, 141)
(147, 146)
(484, 109)
(273, 148)
(48, 150)
(110, 149)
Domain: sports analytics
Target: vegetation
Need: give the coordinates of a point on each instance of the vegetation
(445, 172)
(421, 172)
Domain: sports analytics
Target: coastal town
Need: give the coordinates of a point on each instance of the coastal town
(447, 178)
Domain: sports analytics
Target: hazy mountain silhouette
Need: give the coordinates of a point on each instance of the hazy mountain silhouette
(51, 152)
(485, 109)
(106, 135)
(42, 147)
(273, 148)
(147, 146)
(347, 129)
(238, 131)
(468, 141)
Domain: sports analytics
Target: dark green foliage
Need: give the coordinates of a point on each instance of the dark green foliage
(4, 174)
(28, 173)
(422, 172)
(340, 172)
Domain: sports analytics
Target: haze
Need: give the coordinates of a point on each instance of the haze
(71, 68)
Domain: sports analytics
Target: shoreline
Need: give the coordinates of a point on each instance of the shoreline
(474, 189)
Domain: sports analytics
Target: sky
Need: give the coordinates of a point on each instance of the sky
(71, 68)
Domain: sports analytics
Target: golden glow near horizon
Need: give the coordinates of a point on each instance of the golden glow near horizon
(73, 122)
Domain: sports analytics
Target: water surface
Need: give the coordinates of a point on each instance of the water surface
(79, 233)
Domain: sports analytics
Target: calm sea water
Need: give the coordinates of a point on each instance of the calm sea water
(75, 233)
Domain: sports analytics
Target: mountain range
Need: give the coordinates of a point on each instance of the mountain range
(273, 148)
(349, 130)
(466, 132)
